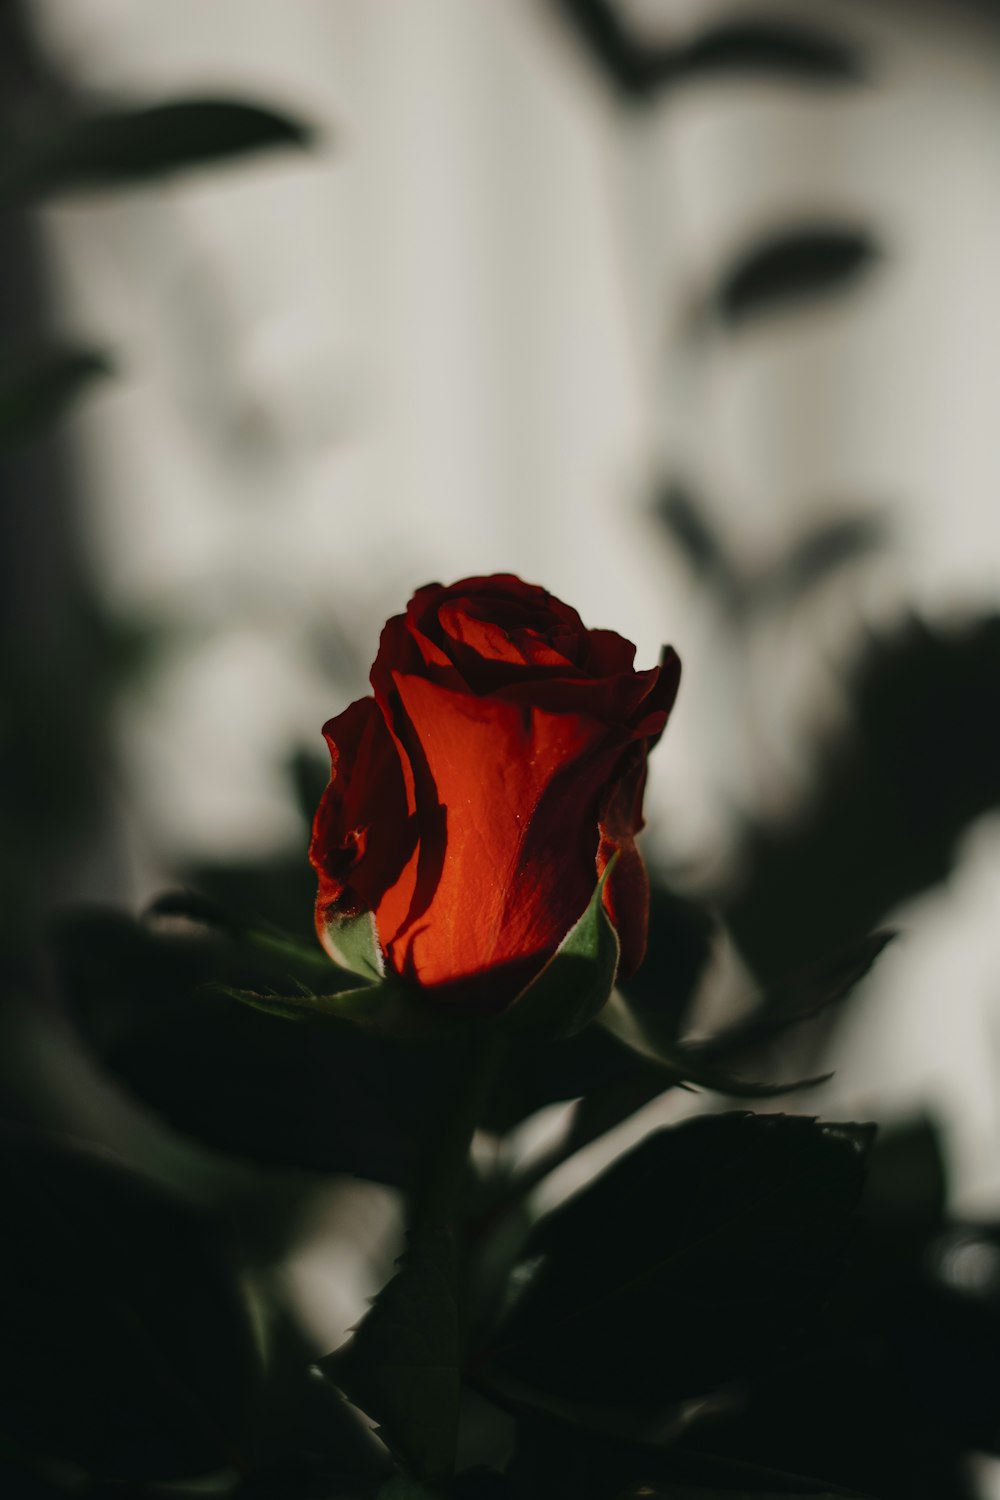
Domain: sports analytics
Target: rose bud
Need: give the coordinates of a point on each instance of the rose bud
(478, 796)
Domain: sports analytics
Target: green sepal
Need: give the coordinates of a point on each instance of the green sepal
(578, 979)
(352, 943)
(388, 1009)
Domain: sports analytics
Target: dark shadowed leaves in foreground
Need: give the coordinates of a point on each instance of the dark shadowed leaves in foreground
(121, 147)
(124, 1343)
(297, 1096)
(706, 1248)
(752, 46)
(36, 396)
(895, 795)
(898, 1380)
(793, 267)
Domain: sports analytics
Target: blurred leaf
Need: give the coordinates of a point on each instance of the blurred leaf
(401, 1365)
(894, 797)
(38, 396)
(814, 557)
(708, 1245)
(685, 521)
(794, 266)
(125, 1344)
(789, 1003)
(752, 46)
(893, 1386)
(121, 147)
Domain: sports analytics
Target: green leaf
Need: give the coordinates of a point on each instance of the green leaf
(693, 1064)
(401, 1366)
(577, 981)
(40, 394)
(121, 147)
(718, 1063)
(707, 1247)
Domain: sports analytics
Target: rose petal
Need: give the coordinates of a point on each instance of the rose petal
(363, 832)
(513, 860)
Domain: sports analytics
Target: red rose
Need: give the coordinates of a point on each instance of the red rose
(476, 799)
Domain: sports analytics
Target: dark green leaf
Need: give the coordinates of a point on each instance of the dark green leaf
(707, 1248)
(402, 1363)
(39, 395)
(754, 46)
(121, 147)
(751, 1047)
(793, 267)
(125, 1345)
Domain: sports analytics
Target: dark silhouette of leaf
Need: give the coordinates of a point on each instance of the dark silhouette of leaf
(754, 1044)
(793, 266)
(683, 518)
(753, 46)
(36, 397)
(895, 796)
(125, 1345)
(120, 147)
(814, 557)
(899, 1380)
(707, 1246)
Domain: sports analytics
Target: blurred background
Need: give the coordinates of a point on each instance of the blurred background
(689, 311)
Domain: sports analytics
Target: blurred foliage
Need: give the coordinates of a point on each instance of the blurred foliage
(893, 797)
(122, 147)
(799, 263)
(747, 45)
(746, 593)
(34, 397)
